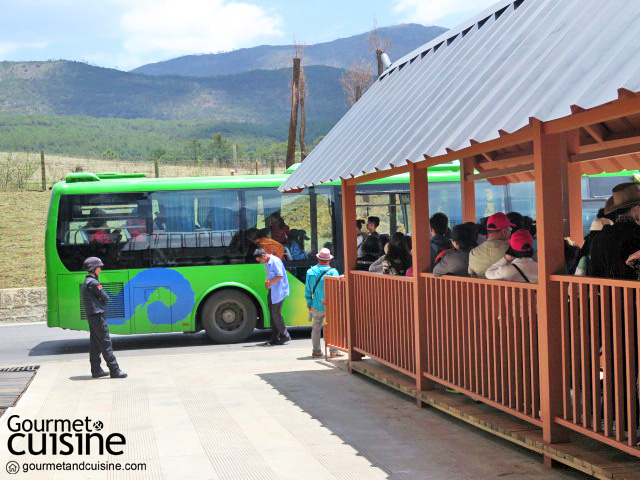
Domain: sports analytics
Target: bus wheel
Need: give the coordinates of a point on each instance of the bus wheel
(229, 316)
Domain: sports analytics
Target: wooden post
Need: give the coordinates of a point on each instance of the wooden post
(234, 152)
(468, 190)
(350, 249)
(156, 167)
(257, 168)
(43, 171)
(272, 165)
(293, 121)
(549, 151)
(420, 253)
(574, 189)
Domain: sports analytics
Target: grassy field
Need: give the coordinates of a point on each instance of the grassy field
(22, 225)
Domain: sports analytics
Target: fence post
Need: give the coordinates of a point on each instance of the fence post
(419, 198)
(43, 171)
(350, 249)
(257, 173)
(234, 151)
(549, 152)
(156, 168)
(272, 165)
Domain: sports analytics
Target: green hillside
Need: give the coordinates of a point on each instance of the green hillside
(74, 88)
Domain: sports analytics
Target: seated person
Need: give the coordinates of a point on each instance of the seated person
(296, 244)
(97, 230)
(396, 259)
(136, 227)
(371, 253)
(260, 239)
(518, 264)
(456, 260)
(494, 248)
(278, 229)
(160, 220)
(439, 223)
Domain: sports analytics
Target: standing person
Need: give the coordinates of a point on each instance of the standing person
(361, 236)
(439, 223)
(314, 294)
(616, 246)
(94, 300)
(278, 285)
(494, 248)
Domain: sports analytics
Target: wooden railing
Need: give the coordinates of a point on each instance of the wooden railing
(600, 336)
(384, 319)
(482, 340)
(335, 330)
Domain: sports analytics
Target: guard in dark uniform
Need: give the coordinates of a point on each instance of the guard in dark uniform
(95, 300)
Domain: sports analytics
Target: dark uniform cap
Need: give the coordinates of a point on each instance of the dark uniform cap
(92, 263)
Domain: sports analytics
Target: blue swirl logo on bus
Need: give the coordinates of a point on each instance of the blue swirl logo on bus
(163, 294)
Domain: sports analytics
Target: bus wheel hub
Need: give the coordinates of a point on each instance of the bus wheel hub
(229, 316)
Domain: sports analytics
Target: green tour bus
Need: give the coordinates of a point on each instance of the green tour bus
(176, 253)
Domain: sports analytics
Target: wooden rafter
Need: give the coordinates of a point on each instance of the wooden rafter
(508, 160)
(596, 131)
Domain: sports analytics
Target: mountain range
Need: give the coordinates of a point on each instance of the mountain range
(340, 53)
(247, 88)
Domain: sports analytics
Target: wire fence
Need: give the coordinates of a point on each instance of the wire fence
(37, 171)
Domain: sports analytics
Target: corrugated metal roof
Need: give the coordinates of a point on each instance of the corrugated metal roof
(518, 59)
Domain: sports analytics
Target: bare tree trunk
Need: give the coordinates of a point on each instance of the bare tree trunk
(379, 60)
(358, 94)
(303, 116)
(293, 122)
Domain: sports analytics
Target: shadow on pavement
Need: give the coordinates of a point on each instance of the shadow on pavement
(149, 341)
(407, 442)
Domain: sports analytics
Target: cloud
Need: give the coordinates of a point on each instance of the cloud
(431, 11)
(9, 47)
(176, 27)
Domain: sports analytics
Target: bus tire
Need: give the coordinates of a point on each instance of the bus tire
(229, 316)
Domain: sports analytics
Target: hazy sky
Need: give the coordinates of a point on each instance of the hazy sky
(129, 33)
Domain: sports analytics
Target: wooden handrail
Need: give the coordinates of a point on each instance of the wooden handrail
(379, 275)
(606, 282)
(483, 281)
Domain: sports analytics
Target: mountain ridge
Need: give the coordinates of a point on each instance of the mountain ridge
(338, 53)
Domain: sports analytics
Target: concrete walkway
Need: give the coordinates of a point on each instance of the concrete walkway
(266, 413)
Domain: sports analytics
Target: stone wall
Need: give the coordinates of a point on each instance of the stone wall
(19, 305)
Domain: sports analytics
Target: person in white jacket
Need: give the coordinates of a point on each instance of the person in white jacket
(518, 264)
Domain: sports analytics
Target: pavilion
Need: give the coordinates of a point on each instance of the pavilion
(529, 90)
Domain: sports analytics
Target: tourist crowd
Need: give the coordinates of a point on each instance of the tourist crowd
(502, 246)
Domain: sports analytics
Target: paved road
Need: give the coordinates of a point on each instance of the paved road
(34, 344)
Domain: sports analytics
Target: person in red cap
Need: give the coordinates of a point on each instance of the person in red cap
(494, 248)
(518, 264)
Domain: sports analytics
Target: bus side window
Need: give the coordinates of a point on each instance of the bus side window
(110, 226)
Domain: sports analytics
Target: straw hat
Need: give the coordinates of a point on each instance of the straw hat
(624, 195)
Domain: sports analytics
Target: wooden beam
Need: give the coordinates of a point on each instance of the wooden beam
(523, 135)
(603, 113)
(624, 93)
(615, 140)
(606, 153)
(377, 175)
(595, 131)
(508, 160)
(503, 172)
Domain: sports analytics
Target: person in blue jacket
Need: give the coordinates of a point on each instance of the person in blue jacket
(314, 294)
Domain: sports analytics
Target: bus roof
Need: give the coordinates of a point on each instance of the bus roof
(90, 183)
